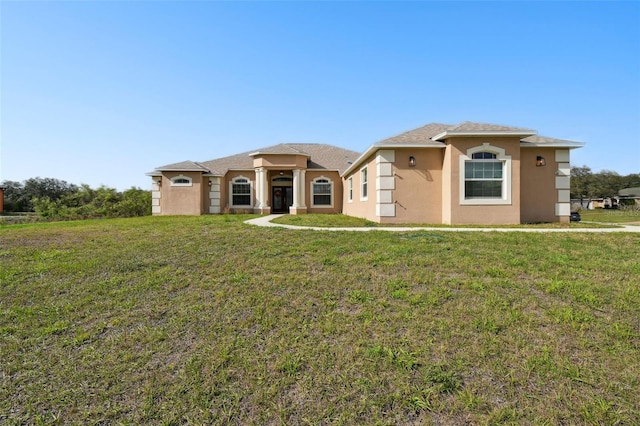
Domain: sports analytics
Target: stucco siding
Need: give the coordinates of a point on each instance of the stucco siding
(337, 188)
(418, 190)
(364, 208)
(538, 195)
(225, 195)
(181, 200)
(487, 214)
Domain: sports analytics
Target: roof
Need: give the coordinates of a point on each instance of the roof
(281, 149)
(535, 140)
(432, 136)
(184, 166)
(329, 157)
(321, 157)
(469, 128)
(630, 192)
(421, 135)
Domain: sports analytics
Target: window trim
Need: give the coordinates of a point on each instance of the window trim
(235, 181)
(181, 177)
(364, 183)
(506, 175)
(350, 189)
(331, 187)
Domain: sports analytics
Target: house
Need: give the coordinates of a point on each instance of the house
(629, 197)
(471, 173)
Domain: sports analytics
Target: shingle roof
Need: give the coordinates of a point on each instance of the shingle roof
(543, 139)
(417, 136)
(283, 148)
(469, 126)
(184, 166)
(321, 157)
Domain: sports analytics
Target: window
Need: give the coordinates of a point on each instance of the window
(240, 192)
(321, 190)
(363, 183)
(483, 178)
(350, 189)
(486, 176)
(181, 180)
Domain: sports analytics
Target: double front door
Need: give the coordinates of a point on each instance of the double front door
(281, 199)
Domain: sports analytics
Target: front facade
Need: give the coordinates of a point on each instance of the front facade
(472, 173)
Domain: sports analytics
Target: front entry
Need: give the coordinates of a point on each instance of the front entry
(282, 199)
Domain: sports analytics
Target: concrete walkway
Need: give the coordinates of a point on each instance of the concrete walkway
(266, 221)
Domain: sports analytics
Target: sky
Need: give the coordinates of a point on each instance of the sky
(102, 92)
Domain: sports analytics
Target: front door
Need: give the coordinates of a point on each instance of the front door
(282, 199)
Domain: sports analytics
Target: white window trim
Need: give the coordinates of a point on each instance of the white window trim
(174, 183)
(362, 197)
(506, 178)
(321, 206)
(350, 189)
(231, 182)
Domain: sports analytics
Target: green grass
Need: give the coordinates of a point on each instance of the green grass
(206, 320)
(342, 221)
(611, 216)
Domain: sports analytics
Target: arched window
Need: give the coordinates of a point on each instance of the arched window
(322, 192)
(181, 180)
(487, 176)
(240, 192)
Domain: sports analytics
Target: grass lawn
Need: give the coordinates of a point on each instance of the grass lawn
(611, 216)
(206, 320)
(342, 221)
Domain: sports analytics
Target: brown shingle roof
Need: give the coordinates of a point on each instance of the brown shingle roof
(417, 136)
(321, 157)
(184, 166)
(283, 148)
(469, 126)
(544, 139)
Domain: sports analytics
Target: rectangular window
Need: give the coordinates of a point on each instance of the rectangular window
(321, 190)
(483, 179)
(363, 184)
(241, 193)
(350, 189)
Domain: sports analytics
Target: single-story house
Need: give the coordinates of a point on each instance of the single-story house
(631, 196)
(471, 173)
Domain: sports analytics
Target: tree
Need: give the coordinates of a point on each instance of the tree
(581, 184)
(19, 196)
(12, 196)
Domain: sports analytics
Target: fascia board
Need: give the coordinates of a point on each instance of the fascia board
(570, 145)
(375, 147)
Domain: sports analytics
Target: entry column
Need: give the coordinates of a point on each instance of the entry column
(261, 191)
(299, 205)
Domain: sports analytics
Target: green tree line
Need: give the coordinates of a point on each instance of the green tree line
(587, 185)
(57, 199)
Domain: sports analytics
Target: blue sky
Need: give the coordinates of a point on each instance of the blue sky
(103, 92)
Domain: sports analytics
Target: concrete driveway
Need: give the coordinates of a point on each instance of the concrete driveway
(266, 221)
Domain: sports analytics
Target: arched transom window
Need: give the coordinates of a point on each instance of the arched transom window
(181, 180)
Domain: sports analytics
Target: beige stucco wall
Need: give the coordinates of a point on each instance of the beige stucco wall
(182, 200)
(538, 195)
(481, 214)
(418, 190)
(270, 161)
(362, 208)
(337, 191)
(225, 202)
